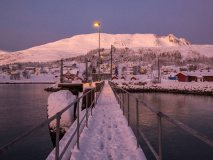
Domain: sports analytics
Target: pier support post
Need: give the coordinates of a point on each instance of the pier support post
(57, 136)
(160, 137)
(137, 115)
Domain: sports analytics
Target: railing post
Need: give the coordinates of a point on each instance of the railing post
(91, 102)
(87, 110)
(137, 114)
(128, 110)
(94, 96)
(78, 127)
(116, 95)
(120, 99)
(160, 137)
(57, 136)
(123, 102)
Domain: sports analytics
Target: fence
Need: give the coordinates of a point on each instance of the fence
(96, 91)
(120, 99)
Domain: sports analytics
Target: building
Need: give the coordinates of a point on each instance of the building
(167, 68)
(15, 76)
(133, 79)
(197, 76)
(123, 78)
(114, 78)
(128, 71)
(31, 70)
(13, 67)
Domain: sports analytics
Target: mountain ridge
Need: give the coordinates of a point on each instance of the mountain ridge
(82, 44)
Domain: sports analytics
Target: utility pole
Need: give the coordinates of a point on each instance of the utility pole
(86, 62)
(111, 61)
(159, 79)
(99, 50)
(61, 78)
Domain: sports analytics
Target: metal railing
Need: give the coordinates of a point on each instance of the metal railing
(159, 114)
(96, 91)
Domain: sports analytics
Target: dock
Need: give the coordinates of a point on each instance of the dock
(108, 135)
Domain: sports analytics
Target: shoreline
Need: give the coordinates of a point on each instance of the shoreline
(28, 82)
(175, 91)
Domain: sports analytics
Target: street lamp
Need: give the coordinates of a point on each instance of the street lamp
(98, 25)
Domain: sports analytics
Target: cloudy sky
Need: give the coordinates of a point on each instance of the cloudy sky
(28, 23)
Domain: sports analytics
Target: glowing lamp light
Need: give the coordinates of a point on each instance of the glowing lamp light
(96, 24)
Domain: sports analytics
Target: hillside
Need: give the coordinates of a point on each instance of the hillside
(82, 44)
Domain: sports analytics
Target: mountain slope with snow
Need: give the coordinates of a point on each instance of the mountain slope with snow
(81, 44)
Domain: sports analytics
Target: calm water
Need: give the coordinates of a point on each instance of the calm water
(23, 107)
(194, 111)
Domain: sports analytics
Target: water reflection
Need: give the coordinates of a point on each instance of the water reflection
(194, 111)
(23, 107)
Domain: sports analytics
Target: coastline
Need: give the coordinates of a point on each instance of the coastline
(195, 88)
(175, 91)
(28, 82)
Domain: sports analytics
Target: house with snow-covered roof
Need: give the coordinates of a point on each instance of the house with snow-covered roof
(128, 71)
(15, 76)
(72, 73)
(197, 76)
(32, 70)
(167, 68)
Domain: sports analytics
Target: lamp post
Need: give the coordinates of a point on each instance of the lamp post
(98, 25)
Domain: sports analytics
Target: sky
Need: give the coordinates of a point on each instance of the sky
(28, 23)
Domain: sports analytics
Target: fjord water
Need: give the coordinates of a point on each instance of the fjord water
(22, 107)
(192, 110)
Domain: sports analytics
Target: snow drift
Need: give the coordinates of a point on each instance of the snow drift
(58, 101)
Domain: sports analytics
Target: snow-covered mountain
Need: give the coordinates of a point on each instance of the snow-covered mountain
(81, 44)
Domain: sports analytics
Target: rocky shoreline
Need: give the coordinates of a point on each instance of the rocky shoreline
(195, 92)
(177, 88)
(52, 89)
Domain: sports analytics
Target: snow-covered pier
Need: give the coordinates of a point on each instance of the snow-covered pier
(108, 135)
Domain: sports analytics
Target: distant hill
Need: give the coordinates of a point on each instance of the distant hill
(81, 44)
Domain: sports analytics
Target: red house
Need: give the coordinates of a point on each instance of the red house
(79, 79)
(70, 78)
(123, 78)
(182, 77)
(187, 77)
(114, 78)
(133, 79)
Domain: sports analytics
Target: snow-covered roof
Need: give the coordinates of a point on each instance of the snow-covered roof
(198, 73)
(73, 71)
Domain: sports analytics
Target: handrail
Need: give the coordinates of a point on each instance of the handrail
(160, 115)
(57, 116)
(135, 122)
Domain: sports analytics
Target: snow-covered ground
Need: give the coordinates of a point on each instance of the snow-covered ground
(165, 84)
(33, 78)
(108, 135)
